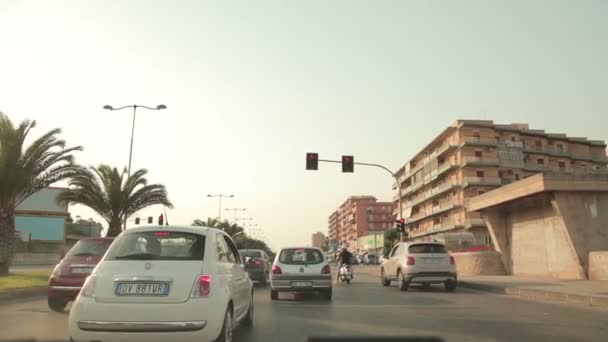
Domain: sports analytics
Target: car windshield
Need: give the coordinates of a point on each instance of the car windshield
(427, 248)
(300, 256)
(158, 245)
(250, 254)
(95, 247)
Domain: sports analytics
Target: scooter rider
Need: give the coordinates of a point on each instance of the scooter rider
(345, 258)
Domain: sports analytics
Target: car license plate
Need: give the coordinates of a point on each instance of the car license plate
(433, 260)
(301, 283)
(142, 289)
(82, 270)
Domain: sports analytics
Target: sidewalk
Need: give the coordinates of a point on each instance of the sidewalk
(585, 292)
(581, 292)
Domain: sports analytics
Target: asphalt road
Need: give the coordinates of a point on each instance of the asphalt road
(366, 308)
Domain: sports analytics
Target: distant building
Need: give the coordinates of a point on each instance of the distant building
(41, 219)
(357, 217)
(318, 239)
(471, 157)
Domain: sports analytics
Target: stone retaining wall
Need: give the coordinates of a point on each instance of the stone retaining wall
(598, 265)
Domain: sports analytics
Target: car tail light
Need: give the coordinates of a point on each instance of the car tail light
(452, 261)
(258, 262)
(88, 289)
(202, 287)
(276, 269)
(326, 270)
(410, 260)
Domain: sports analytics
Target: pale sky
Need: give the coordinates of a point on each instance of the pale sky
(251, 86)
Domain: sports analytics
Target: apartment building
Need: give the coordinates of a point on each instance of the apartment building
(471, 157)
(318, 239)
(359, 216)
(332, 226)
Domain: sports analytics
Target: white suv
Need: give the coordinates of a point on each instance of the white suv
(300, 269)
(419, 262)
(164, 284)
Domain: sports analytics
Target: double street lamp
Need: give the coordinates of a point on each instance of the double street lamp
(220, 208)
(108, 107)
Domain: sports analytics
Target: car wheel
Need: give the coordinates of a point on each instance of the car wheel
(226, 334)
(450, 285)
(402, 283)
(57, 305)
(383, 280)
(274, 294)
(327, 294)
(248, 320)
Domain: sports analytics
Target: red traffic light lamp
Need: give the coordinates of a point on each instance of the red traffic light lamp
(161, 220)
(312, 161)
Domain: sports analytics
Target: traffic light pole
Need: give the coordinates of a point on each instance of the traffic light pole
(394, 175)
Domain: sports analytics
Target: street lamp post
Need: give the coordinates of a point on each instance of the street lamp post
(235, 210)
(220, 200)
(108, 107)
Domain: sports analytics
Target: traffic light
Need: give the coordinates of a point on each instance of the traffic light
(312, 161)
(150, 220)
(348, 164)
(137, 220)
(161, 219)
(401, 225)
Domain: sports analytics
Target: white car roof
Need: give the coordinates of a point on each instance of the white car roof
(188, 229)
(299, 247)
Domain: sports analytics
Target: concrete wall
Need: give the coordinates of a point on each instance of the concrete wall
(598, 266)
(478, 263)
(552, 234)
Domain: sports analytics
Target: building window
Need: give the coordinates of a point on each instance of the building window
(478, 154)
(540, 161)
(499, 174)
(480, 173)
(517, 176)
(561, 165)
(560, 147)
(476, 134)
(513, 138)
(539, 143)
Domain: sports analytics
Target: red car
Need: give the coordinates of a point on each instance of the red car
(69, 275)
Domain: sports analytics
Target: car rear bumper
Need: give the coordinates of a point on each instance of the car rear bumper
(189, 321)
(293, 282)
(66, 289)
(431, 277)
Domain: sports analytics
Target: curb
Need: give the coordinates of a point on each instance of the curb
(9, 295)
(542, 295)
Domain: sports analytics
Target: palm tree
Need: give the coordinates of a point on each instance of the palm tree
(24, 170)
(113, 195)
(230, 228)
(211, 222)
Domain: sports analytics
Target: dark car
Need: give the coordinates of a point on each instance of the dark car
(69, 275)
(257, 264)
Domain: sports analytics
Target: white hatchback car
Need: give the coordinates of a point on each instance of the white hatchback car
(164, 283)
(298, 269)
(419, 262)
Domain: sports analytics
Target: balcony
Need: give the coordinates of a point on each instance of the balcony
(438, 228)
(431, 194)
(445, 167)
(475, 222)
(479, 161)
(434, 211)
(445, 148)
(481, 181)
(478, 141)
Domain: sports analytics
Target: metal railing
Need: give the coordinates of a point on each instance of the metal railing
(473, 160)
(480, 141)
(481, 181)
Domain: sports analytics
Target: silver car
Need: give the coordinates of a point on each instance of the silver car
(299, 269)
(419, 262)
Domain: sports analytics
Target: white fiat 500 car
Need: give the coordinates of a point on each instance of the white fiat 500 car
(300, 269)
(164, 283)
(423, 263)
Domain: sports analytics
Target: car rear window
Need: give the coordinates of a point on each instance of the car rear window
(427, 248)
(90, 248)
(251, 254)
(158, 245)
(300, 256)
